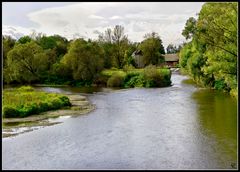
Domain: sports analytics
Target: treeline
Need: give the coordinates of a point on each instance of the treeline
(211, 55)
(55, 60)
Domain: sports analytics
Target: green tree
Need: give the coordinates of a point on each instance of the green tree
(85, 59)
(24, 39)
(171, 49)
(152, 49)
(212, 53)
(25, 62)
(120, 42)
(8, 44)
(115, 43)
(190, 28)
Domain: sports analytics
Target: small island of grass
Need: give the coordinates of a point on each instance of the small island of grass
(25, 101)
(150, 76)
(26, 107)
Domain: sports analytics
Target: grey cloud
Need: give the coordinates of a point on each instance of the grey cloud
(137, 18)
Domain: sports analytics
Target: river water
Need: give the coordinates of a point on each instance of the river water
(177, 127)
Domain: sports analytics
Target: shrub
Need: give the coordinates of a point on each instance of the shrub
(56, 103)
(152, 76)
(25, 89)
(219, 84)
(43, 106)
(65, 100)
(127, 68)
(10, 112)
(116, 80)
(136, 80)
(28, 109)
(150, 72)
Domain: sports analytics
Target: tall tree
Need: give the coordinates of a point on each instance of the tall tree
(152, 49)
(190, 28)
(115, 43)
(213, 47)
(85, 59)
(8, 44)
(25, 61)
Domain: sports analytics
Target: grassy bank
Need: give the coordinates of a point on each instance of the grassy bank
(25, 101)
(150, 76)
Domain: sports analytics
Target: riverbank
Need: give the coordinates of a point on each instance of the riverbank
(15, 126)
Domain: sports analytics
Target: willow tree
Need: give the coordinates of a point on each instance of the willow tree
(25, 62)
(85, 59)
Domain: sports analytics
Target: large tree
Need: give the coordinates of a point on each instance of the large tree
(152, 49)
(8, 44)
(25, 62)
(115, 44)
(85, 59)
(190, 28)
(214, 46)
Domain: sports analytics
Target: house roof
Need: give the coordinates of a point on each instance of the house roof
(171, 57)
(137, 52)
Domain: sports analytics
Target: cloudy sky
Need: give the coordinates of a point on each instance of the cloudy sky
(84, 19)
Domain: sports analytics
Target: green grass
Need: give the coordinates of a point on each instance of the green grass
(25, 101)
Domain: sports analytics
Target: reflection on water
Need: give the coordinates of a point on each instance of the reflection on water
(177, 127)
(217, 116)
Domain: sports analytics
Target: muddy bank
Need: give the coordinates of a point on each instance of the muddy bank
(15, 126)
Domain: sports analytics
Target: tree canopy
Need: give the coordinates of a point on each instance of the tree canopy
(152, 49)
(211, 56)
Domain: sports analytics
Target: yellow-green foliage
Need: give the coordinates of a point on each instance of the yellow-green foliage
(116, 80)
(234, 93)
(24, 101)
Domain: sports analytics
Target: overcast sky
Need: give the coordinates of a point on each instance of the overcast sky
(83, 19)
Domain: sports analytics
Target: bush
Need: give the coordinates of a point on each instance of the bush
(134, 80)
(116, 80)
(152, 76)
(219, 84)
(56, 103)
(10, 112)
(234, 92)
(65, 100)
(28, 109)
(43, 106)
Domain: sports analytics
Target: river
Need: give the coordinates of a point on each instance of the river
(177, 127)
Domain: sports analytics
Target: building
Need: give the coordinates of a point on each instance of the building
(171, 60)
(138, 58)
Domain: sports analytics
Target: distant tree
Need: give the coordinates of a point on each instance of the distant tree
(115, 43)
(190, 28)
(47, 42)
(171, 49)
(24, 39)
(152, 49)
